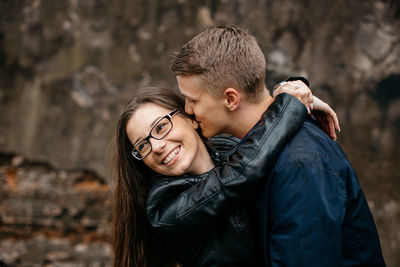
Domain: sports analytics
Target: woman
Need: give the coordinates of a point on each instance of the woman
(217, 232)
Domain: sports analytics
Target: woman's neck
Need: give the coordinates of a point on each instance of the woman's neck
(203, 162)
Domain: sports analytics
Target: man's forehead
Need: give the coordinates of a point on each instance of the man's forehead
(190, 87)
(193, 93)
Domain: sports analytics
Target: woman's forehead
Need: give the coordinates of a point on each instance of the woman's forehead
(144, 118)
(149, 111)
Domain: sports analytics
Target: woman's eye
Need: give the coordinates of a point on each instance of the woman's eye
(141, 147)
(160, 127)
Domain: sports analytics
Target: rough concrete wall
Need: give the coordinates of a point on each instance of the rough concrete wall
(51, 216)
(68, 67)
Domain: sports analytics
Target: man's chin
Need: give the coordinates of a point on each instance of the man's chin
(207, 134)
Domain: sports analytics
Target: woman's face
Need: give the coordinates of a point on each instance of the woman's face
(181, 151)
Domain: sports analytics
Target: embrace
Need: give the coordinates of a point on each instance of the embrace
(232, 176)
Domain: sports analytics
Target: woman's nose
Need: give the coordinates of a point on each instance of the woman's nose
(157, 145)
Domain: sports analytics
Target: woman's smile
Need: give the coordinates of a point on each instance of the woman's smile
(172, 157)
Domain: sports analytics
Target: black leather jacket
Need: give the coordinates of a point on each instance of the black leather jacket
(203, 218)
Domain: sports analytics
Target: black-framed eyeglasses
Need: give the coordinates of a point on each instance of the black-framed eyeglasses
(160, 129)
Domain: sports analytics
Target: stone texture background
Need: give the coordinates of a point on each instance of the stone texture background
(68, 67)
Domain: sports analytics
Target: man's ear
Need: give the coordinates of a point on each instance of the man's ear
(231, 98)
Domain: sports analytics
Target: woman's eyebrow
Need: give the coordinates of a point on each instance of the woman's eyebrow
(156, 120)
(151, 125)
(136, 141)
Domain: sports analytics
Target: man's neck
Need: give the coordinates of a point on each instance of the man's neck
(248, 115)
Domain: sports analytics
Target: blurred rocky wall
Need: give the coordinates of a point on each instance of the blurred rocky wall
(52, 217)
(67, 68)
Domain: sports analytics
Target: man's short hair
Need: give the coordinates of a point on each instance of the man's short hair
(224, 57)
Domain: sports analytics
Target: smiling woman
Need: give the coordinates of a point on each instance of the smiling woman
(160, 128)
(135, 242)
(175, 145)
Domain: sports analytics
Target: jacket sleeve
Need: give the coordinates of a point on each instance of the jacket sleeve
(190, 204)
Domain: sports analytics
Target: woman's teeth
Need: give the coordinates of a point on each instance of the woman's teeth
(171, 156)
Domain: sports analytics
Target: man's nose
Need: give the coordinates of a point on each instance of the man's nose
(188, 107)
(157, 145)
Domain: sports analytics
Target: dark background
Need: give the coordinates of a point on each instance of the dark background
(67, 68)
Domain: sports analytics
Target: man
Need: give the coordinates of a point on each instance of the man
(311, 211)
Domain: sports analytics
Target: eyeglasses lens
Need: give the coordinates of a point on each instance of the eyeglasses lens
(143, 148)
(159, 131)
(161, 128)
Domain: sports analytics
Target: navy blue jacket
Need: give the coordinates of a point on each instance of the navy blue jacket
(312, 211)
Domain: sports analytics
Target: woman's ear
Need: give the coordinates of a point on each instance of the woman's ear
(195, 124)
(231, 98)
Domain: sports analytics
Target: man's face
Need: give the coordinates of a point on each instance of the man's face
(210, 111)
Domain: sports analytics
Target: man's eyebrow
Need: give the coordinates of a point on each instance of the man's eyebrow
(151, 125)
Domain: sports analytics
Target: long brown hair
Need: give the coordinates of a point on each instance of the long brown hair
(135, 242)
